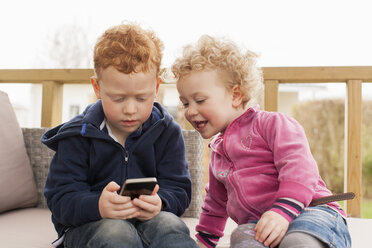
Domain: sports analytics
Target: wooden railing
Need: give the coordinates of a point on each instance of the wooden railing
(52, 81)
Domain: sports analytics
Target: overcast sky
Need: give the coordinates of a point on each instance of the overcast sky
(282, 32)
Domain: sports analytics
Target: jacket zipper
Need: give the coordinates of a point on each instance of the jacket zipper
(242, 199)
(231, 178)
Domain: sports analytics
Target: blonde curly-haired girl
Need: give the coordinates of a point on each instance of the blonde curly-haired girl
(262, 173)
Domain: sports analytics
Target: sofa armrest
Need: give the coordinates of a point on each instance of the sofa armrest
(194, 156)
(40, 157)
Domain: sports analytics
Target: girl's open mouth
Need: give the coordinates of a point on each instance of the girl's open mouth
(200, 124)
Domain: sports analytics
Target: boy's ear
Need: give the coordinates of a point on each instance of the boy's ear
(96, 88)
(237, 96)
(157, 85)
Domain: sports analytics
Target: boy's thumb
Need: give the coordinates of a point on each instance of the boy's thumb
(156, 189)
(112, 187)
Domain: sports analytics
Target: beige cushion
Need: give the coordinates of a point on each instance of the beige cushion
(17, 184)
(224, 242)
(30, 227)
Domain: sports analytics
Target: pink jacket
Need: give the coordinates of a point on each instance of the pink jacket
(262, 158)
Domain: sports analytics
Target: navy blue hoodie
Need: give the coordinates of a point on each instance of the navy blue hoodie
(87, 159)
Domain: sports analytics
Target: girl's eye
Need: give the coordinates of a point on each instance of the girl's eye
(141, 99)
(185, 105)
(200, 101)
(119, 99)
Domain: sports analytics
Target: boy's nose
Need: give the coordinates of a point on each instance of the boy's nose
(129, 107)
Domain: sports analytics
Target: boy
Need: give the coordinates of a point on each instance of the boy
(123, 135)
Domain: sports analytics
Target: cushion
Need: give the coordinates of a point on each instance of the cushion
(29, 227)
(17, 184)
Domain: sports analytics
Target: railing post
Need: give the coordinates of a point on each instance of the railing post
(353, 144)
(271, 95)
(51, 109)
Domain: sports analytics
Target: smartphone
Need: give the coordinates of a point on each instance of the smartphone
(134, 187)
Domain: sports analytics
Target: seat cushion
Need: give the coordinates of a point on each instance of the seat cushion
(28, 227)
(360, 229)
(17, 184)
(224, 242)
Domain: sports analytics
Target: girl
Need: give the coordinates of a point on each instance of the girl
(262, 173)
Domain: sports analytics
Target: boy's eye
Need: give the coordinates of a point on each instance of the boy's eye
(118, 99)
(200, 101)
(185, 105)
(141, 99)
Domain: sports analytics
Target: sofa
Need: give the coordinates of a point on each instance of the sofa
(24, 164)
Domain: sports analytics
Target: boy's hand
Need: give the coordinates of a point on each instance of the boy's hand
(114, 206)
(149, 205)
(271, 228)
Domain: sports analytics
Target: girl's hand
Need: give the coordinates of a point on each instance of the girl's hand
(271, 228)
(149, 205)
(200, 244)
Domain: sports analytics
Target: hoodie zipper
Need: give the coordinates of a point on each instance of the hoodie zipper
(126, 159)
(126, 156)
(126, 152)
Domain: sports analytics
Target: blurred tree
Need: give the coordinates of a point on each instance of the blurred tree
(68, 47)
(323, 122)
(367, 149)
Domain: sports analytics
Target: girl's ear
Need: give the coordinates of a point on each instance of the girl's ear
(237, 96)
(157, 85)
(96, 88)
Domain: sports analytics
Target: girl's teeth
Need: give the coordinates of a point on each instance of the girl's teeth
(201, 124)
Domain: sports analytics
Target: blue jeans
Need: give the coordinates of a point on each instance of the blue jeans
(164, 230)
(323, 223)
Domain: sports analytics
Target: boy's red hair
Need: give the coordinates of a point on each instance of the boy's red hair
(128, 48)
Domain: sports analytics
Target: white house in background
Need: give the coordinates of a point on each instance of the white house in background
(290, 94)
(75, 99)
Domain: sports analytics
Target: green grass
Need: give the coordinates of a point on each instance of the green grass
(366, 208)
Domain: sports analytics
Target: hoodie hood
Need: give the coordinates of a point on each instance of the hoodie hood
(88, 124)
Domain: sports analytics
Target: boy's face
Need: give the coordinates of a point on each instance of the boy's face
(209, 107)
(127, 99)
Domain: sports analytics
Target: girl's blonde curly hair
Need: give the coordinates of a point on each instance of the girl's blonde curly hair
(223, 55)
(128, 48)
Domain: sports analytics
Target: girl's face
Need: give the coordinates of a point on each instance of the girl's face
(209, 106)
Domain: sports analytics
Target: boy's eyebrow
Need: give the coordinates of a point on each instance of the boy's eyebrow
(118, 94)
(113, 94)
